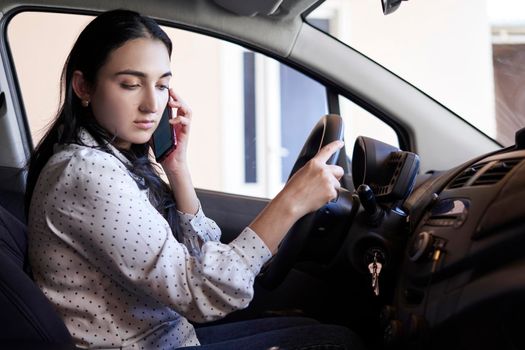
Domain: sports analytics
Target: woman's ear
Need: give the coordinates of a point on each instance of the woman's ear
(81, 88)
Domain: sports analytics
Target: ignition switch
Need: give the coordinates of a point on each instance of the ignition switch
(377, 253)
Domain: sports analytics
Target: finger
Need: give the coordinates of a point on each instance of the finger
(180, 120)
(176, 97)
(177, 104)
(176, 101)
(334, 191)
(172, 94)
(336, 184)
(337, 171)
(325, 152)
(174, 104)
(184, 111)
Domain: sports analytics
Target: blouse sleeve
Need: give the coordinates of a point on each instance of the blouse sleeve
(196, 230)
(107, 219)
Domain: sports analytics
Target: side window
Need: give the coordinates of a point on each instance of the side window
(251, 114)
(39, 56)
(360, 122)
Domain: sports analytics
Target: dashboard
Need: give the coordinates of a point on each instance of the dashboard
(461, 267)
(454, 251)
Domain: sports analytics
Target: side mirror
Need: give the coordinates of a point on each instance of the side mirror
(390, 6)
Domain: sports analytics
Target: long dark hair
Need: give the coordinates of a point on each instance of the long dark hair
(104, 34)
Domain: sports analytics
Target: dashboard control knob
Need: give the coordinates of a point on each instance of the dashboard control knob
(420, 246)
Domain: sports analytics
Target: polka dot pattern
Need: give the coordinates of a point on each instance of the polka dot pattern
(112, 267)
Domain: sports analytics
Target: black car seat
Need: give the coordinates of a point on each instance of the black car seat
(27, 318)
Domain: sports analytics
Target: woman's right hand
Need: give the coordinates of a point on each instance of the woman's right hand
(315, 184)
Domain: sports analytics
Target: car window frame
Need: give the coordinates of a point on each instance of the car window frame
(405, 141)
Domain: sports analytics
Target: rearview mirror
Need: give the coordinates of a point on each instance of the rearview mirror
(390, 6)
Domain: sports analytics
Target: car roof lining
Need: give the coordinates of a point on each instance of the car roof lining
(250, 8)
(201, 15)
(274, 8)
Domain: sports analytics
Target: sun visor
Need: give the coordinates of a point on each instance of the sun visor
(250, 7)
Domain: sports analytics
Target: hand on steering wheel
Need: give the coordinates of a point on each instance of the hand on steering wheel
(316, 183)
(315, 165)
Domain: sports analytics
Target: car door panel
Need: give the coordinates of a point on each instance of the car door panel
(231, 212)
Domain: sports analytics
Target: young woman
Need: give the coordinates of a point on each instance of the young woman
(126, 259)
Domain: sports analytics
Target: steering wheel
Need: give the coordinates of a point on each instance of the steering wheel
(329, 128)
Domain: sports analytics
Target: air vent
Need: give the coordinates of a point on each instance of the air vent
(466, 175)
(496, 172)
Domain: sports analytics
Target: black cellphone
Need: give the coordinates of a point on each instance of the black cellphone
(163, 139)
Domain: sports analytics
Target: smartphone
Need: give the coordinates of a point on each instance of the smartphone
(163, 139)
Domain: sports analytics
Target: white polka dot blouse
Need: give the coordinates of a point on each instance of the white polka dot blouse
(113, 268)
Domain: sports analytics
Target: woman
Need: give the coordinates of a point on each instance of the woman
(125, 258)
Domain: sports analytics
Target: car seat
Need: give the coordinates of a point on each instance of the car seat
(28, 320)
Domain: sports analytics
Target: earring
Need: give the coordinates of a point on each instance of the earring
(85, 103)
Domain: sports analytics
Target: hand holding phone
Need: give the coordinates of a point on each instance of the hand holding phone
(163, 139)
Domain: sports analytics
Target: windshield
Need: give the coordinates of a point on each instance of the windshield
(469, 55)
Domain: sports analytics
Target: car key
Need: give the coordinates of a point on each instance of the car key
(375, 269)
(372, 268)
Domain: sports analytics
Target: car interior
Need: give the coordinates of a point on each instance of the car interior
(422, 248)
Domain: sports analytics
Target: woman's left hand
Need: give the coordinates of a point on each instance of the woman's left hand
(181, 122)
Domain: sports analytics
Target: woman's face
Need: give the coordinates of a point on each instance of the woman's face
(131, 91)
